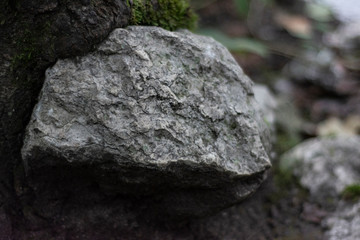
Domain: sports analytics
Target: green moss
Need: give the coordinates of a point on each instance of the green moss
(285, 141)
(352, 192)
(284, 178)
(27, 49)
(30, 46)
(286, 186)
(168, 14)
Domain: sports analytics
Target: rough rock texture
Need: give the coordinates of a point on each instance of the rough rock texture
(33, 35)
(325, 166)
(149, 112)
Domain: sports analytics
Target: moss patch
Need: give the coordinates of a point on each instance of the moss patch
(27, 49)
(30, 48)
(351, 192)
(286, 140)
(168, 14)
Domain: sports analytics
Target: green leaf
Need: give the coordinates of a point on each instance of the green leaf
(239, 45)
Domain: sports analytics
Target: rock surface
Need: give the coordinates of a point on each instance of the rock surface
(326, 167)
(344, 223)
(268, 105)
(151, 112)
(33, 35)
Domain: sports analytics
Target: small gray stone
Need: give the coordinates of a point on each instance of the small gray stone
(346, 37)
(152, 111)
(325, 166)
(344, 223)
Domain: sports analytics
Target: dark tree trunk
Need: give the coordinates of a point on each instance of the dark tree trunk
(33, 35)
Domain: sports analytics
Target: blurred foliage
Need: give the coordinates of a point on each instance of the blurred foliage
(168, 14)
(242, 7)
(254, 14)
(319, 12)
(237, 45)
(286, 140)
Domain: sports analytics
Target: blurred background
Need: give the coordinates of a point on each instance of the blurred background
(304, 57)
(305, 51)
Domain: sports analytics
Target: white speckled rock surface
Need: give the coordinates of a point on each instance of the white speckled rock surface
(149, 110)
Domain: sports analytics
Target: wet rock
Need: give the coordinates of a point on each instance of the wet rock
(151, 113)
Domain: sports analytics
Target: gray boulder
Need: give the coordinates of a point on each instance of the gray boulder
(151, 113)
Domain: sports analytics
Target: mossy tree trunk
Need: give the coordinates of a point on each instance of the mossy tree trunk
(33, 35)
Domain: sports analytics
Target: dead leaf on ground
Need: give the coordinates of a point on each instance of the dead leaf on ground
(296, 25)
(337, 127)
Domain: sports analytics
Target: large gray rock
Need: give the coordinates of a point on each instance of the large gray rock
(149, 112)
(267, 106)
